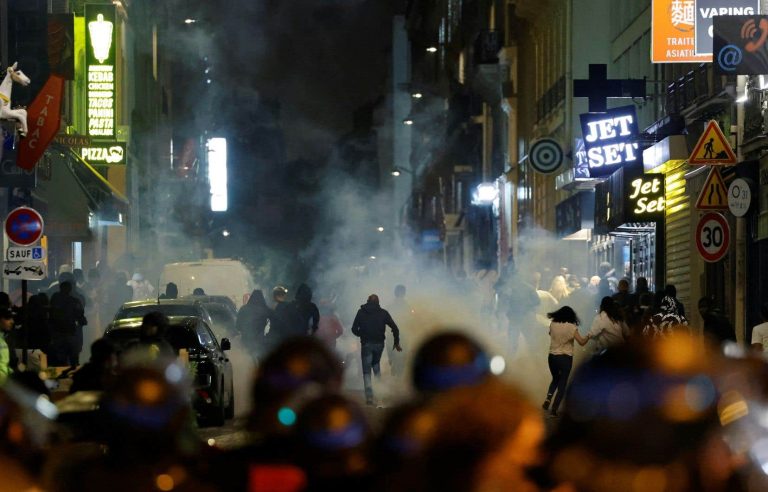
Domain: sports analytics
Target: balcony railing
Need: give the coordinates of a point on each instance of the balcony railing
(693, 88)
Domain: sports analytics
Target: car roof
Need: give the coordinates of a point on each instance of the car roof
(135, 323)
(161, 302)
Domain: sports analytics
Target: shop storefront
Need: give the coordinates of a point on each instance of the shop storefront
(629, 233)
(574, 221)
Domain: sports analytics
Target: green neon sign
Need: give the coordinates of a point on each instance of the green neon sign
(100, 39)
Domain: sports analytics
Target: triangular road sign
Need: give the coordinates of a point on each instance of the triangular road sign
(714, 193)
(712, 148)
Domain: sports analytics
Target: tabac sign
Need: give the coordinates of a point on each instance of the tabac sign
(100, 65)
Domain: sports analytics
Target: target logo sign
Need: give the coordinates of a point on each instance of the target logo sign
(24, 226)
(546, 156)
(713, 237)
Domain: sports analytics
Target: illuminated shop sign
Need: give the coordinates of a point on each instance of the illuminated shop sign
(100, 62)
(107, 154)
(610, 139)
(645, 198)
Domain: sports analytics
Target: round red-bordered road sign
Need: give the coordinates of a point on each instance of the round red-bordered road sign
(713, 237)
(24, 226)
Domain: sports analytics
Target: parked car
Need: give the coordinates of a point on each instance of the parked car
(169, 307)
(218, 299)
(213, 395)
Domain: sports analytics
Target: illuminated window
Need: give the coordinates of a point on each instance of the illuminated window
(217, 173)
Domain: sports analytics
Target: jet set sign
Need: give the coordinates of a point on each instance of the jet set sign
(610, 140)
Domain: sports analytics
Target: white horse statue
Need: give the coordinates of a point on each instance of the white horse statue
(6, 113)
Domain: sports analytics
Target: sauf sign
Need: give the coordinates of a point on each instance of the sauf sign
(645, 200)
(610, 139)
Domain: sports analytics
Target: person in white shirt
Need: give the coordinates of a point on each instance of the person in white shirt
(760, 332)
(608, 327)
(563, 330)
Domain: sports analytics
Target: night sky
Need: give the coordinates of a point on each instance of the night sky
(320, 59)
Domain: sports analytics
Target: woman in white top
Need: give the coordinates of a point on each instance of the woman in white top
(608, 327)
(563, 330)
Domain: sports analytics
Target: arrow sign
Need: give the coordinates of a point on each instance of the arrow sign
(44, 119)
(714, 193)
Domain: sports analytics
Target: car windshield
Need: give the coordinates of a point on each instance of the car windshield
(220, 313)
(166, 309)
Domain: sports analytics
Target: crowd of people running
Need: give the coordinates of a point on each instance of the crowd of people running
(655, 406)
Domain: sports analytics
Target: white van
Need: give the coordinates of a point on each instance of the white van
(225, 277)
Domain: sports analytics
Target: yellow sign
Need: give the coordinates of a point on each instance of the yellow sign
(712, 148)
(714, 193)
(673, 33)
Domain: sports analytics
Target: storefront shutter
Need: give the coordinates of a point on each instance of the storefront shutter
(678, 233)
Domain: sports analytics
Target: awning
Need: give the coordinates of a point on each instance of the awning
(104, 200)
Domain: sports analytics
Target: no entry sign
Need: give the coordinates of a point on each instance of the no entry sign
(24, 226)
(713, 237)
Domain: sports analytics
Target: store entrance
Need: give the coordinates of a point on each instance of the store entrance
(637, 243)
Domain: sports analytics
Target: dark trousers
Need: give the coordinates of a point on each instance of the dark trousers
(560, 367)
(370, 353)
(65, 350)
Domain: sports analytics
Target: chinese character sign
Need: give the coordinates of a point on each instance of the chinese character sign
(100, 65)
(673, 29)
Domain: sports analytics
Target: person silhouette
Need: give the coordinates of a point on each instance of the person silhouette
(709, 149)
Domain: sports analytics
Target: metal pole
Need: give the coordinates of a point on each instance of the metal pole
(24, 321)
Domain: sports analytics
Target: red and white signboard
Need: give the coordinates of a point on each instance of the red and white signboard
(44, 119)
(713, 237)
(24, 226)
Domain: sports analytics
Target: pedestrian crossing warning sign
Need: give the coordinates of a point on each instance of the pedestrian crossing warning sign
(714, 193)
(712, 148)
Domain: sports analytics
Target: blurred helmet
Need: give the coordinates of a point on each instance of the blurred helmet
(295, 365)
(137, 277)
(333, 437)
(399, 449)
(147, 411)
(489, 437)
(639, 407)
(26, 424)
(449, 360)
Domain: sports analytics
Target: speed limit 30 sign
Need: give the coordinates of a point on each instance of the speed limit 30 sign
(713, 237)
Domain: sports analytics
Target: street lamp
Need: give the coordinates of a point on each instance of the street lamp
(431, 49)
(190, 21)
(408, 122)
(225, 233)
(417, 95)
(396, 171)
(380, 229)
(485, 194)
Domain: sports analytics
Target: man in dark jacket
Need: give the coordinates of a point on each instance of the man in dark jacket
(67, 320)
(252, 322)
(370, 325)
(302, 313)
